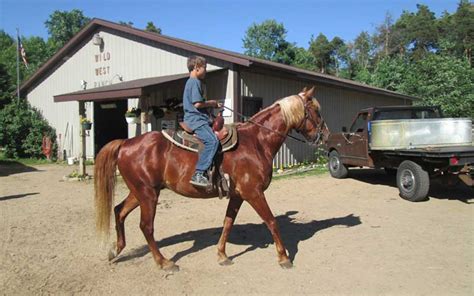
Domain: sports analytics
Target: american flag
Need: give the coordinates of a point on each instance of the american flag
(21, 49)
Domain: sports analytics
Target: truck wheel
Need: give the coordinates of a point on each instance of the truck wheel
(413, 182)
(336, 167)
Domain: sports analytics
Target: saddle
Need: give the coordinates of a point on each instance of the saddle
(184, 137)
(227, 135)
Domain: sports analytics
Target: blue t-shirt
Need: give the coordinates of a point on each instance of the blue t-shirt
(194, 117)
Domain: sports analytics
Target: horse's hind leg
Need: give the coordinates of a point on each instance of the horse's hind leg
(121, 212)
(232, 209)
(148, 199)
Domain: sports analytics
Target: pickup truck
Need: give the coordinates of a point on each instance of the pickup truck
(413, 143)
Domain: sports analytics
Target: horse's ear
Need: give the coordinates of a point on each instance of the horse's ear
(304, 90)
(309, 94)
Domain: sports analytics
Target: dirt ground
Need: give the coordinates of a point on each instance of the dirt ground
(353, 236)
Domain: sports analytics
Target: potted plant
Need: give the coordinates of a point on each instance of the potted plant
(132, 114)
(86, 123)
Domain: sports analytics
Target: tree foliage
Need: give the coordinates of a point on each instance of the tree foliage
(23, 128)
(63, 25)
(150, 27)
(445, 81)
(267, 41)
(325, 53)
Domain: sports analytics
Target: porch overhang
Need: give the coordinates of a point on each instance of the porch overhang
(119, 91)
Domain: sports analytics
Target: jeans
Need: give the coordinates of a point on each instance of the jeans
(211, 143)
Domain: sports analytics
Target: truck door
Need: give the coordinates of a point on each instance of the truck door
(356, 151)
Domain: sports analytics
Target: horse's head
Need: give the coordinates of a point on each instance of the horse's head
(312, 126)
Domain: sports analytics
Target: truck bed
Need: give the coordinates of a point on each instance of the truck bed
(449, 156)
(439, 152)
(419, 133)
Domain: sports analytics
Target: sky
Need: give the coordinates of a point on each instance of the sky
(222, 23)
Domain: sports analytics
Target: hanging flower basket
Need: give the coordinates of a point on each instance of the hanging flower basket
(86, 124)
(132, 115)
(131, 119)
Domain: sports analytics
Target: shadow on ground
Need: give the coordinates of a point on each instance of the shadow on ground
(438, 188)
(10, 167)
(8, 197)
(254, 235)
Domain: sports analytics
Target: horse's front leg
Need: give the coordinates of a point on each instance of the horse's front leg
(232, 209)
(259, 203)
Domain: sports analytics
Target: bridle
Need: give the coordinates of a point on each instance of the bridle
(307, 117)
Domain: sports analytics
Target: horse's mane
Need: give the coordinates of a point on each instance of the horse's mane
(291, 108)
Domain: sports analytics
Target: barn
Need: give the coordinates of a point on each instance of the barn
(107, 68)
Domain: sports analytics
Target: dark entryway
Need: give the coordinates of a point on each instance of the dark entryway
(109, 122)
(251, 105)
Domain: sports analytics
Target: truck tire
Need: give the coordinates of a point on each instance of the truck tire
(336, 168)
(413, 182)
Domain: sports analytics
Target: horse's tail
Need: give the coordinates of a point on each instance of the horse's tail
(104, 185)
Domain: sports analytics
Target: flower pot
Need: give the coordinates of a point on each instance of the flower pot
(70, 160)
(131, 119)
(87, 126)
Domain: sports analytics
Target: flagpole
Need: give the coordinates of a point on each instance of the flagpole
(18, 65)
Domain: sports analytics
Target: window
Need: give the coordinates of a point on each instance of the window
(359, 124)
(407, 114)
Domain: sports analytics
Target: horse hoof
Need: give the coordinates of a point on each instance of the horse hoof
(112, 254)
(171, 268)
(286, 264)
(226, 262)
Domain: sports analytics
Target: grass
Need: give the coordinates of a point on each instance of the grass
(33, 161)
(313, 172)
(25, 161)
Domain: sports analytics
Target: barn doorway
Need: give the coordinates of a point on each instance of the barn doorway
(109, 123)
(251, 106)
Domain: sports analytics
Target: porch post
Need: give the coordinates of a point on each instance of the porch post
(143, 122)
(143, 103)
(82, 136)
(236, 93)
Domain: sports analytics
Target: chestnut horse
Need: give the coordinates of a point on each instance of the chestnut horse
(150, 162)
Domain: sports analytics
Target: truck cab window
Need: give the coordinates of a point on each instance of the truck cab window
(359, 124)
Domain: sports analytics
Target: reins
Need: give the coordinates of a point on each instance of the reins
(262, 126)
(282, 134)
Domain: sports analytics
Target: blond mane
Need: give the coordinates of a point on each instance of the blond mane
(292, 109)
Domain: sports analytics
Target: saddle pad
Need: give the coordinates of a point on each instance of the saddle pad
(189, 142)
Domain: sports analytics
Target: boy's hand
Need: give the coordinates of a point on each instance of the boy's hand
(213, 103)
(220, 105)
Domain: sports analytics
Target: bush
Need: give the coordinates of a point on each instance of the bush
(321, 156)
(22, 130)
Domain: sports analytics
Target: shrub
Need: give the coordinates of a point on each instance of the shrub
(321, 156)
(22, 128)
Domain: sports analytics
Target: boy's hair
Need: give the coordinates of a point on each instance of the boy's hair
(195, 61)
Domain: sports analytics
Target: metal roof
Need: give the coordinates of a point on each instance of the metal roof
(232, 57)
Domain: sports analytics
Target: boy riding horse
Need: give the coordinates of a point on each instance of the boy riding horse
(196, 117)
